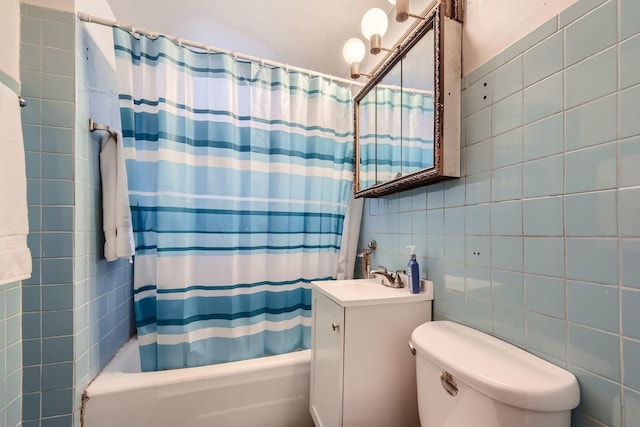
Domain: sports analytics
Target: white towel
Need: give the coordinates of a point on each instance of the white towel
(116, 214)
(15, 258)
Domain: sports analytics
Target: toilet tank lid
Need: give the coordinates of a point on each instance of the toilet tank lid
(495, 368)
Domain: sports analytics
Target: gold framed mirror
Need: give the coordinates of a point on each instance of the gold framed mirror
(407, 117)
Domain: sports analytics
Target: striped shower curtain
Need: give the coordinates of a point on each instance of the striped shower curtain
(239, 179)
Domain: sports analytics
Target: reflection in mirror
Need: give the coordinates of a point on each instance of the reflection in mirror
(367, 127)
(389, 126)
(417, 106)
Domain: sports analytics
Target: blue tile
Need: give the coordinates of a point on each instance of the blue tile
(592, 33)
(454, 248)
(435, 196)
(31, 406)
(478, 188)
(31, 352)
(480, 314)
(58, 113)
(454, 277)
(546, 335)
(30, 298)
(57, 376)
(455, 306)
(542, 100)
(507, 149)
(543, 217)
(57, 192)
(507, 253)
(454, 220)
(58, 61)
(506, 218)
(435, 221)
(479, 282)
(477, 126)
(31, 83)
(629, 200)
(58, 349)
(629, 159)
(419, 223)
(419, 200)
(506, 183)
(483, 70)
(58, 88)
(629, 62)
(57, 270)
(33, 164)
(507, 79)
(543, 138)
(592, 123)
(591, 214)
(454, 192)
(57, 402)
(507, 114)
(580, 166)
(61, 421)
(545, 295)
(478, 157)
(49, 14)
(435, 248)
(30, 29)
(593, 260)
(544, 59)
(591, 79)
(599, 397)
(478, 250)
(544, 255)
(31, 136)
(478, 219)
(57, 297)
(57, 140)
(477, 96)
(629, 12)
(630, 313)
(508, 288)
(576, 11)
(544, 177)
(56, 34)
(57, 218)
(583, 297)
(31, 325)
(34, 191)
(404, 223)
(595, 351)
(508, 323)
(30, 57)
(630, 265)
(30, 379)
(55, 245)
(32, 113)
(57, 323)
(631, 405)
(629, 106)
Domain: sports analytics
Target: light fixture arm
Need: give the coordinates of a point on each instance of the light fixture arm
(375, 45)
(355, 71)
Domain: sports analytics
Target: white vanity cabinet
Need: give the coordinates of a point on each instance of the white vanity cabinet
(362, 371)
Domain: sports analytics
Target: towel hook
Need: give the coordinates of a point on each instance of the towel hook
(22, 102)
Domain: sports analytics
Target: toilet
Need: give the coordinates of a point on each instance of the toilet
(468, 378)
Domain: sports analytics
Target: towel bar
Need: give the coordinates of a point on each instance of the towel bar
(94, 126)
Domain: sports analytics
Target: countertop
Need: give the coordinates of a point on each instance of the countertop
(358, 292)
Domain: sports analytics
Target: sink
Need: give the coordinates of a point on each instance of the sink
(370, 291)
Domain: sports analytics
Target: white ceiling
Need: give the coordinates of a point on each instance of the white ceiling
(303, 33)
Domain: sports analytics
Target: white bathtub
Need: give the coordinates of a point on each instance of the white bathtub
(270, 391)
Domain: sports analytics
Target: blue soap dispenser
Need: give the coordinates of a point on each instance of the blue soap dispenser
(413, 271)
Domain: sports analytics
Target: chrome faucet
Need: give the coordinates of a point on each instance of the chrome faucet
(394, 279)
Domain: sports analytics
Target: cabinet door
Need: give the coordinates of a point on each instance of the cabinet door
(327, 367)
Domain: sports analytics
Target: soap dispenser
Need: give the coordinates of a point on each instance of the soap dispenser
(413, 271)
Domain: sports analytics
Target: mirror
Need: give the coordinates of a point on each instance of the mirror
(404, 112)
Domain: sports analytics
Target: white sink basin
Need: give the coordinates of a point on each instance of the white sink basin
(370, 291)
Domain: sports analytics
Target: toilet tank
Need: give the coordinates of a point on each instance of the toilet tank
(468, 378)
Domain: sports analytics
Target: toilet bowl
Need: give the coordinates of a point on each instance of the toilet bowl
(468, 378)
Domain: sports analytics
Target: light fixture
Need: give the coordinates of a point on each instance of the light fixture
(353, 52)
(402, 10)
(374, 25)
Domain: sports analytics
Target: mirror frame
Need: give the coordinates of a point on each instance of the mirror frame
(444, 19)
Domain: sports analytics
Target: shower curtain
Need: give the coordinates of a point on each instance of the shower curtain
(239, 179)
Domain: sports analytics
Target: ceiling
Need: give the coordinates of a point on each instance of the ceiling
(303, 33)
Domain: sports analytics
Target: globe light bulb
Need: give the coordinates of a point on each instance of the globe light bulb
(393, 2)
(353, 50)
(374, 22)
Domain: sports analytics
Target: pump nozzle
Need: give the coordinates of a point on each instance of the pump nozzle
(412, 249)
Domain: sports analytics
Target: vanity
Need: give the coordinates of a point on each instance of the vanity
(362, 370)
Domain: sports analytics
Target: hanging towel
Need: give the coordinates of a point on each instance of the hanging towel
(116, 214)
(15, 258)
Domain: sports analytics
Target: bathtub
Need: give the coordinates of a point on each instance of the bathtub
(271, 391)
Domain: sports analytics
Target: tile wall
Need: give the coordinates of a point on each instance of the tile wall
(10, 355)
(538, 243)
(76, 312)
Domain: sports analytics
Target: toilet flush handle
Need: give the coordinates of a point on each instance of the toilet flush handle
(412, 349)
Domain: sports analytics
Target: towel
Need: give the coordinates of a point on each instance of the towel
(15, 258)
(116, 214)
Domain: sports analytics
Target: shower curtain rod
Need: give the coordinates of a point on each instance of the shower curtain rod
(209, 48)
